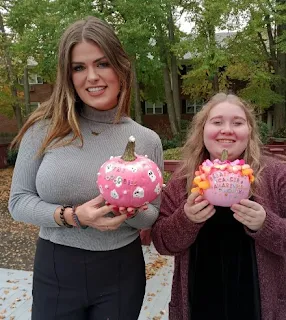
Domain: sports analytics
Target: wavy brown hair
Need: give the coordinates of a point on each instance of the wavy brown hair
(64, 105)
(194, 151)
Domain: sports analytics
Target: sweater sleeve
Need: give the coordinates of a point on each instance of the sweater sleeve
(173, 232)
(145, 219)
(25, 205)
(272, 236)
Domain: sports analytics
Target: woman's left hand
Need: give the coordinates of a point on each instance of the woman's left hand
(249, 213)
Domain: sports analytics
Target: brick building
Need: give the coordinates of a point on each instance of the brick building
(39, 92)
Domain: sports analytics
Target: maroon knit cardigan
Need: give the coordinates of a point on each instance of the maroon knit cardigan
(173, 233)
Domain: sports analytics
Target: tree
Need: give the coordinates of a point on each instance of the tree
(8, 83)
(254, 56)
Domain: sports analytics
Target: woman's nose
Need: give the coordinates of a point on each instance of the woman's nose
(92, 75)
(227, 128)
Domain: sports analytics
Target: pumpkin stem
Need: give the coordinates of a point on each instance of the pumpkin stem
(129, 153)
(224, 155)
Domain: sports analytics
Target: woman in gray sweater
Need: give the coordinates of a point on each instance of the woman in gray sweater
(89, 262)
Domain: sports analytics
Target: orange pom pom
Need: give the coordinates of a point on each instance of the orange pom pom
(251, 178)
(197, 189)
(204, 184)
(247, 172)
(197, 180)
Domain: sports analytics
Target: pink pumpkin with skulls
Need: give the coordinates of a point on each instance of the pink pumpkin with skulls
(223, 183)
(130, 180)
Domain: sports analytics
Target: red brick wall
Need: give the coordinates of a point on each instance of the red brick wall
(160, 123)
(40, 92)
(8, 125)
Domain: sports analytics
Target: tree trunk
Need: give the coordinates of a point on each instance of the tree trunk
(169, 100)
(136, 90)
(280, 108)
(215, 83)
(11, 79)
(27, 91)
(164, 55)
(174, 73)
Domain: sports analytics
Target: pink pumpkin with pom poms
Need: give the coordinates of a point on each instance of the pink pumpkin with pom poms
(130, 180)
(223, 183)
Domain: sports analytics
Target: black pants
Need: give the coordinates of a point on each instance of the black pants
(75, 284)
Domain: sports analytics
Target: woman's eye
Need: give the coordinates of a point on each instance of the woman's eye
(78, 68)
(238, 123)
(217, 122)
(103, 65)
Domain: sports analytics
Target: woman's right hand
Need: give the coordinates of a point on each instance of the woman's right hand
(198, 209)
(93, 214)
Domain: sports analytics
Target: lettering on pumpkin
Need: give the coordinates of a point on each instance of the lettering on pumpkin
(116, 180)
(226, 183)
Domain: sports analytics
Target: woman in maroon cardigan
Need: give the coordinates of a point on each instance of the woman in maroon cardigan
(230, 263)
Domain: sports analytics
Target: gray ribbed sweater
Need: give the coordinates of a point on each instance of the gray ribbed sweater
(67, 175)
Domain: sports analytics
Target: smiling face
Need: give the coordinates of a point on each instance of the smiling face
(226, 128)
(94, 79)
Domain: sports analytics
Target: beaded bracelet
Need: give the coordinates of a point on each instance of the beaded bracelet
(76, 220)
(62, 217)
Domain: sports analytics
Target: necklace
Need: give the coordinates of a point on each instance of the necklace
(95, 132)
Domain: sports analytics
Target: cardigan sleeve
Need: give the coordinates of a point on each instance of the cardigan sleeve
(272, 236)
(173, 232)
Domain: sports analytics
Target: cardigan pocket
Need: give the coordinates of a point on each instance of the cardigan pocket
(281, 309)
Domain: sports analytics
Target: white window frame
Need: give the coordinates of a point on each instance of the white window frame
(33, 79)
(155, 107)
(193, 107)
(34, 105)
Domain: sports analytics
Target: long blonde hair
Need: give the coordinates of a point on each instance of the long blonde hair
(64, 105)
(194, 151)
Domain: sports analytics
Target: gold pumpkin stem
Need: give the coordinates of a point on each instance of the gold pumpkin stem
(224, 155)
(129, 153)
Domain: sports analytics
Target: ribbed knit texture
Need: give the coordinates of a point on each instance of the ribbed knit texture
(67, 175)
(173, 234)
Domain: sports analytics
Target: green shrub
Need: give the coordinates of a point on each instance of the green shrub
(280, 133)
(7, 134)
(185, 124)
(263, 131)
(172, 154)
(174, 142)
(166, 176)
(12, 156)
(6, 137)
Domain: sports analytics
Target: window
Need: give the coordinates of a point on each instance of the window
(34, 106)
(153, 108)
(33, 79)
(193, 107)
